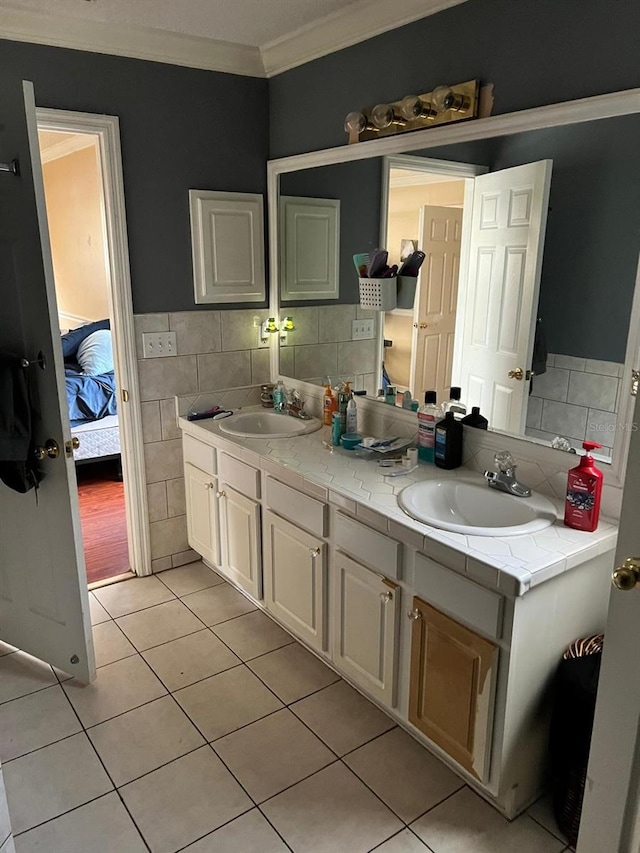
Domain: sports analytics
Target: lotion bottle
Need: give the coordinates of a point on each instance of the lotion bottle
(584, 492)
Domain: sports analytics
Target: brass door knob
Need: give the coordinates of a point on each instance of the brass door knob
(518, 374)
(424, 325)
(627, 576)
(51, 449)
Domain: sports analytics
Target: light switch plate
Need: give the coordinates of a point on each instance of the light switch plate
(159, 344)
(362, 330)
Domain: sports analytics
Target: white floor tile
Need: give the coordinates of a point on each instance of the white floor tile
(144, 739)
(127, 596)
(292, 672)
(119, 687)
(466, 822)
(252, 635)
(98, 613)
(218, 603)
(191, 578)
(159, 624)
(8, 846)
(407, 777)
(6, 649)
(542, 811)
(34, 721)
(5, 820)
(190, 659)
(21, 674)
(53, 780)
(110, 643)
(404, 842)
(184, 800)
(225, 702)
(102, 825)
(342, 717)
(272, 754)
(250, 833)
(329, 812)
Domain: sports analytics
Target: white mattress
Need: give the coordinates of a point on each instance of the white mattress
(97, 438)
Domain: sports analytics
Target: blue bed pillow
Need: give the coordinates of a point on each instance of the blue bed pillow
(72, 340)
(95, 353)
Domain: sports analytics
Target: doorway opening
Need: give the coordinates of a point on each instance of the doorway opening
(85, 210)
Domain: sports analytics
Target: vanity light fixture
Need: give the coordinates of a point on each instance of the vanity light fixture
(414, 112)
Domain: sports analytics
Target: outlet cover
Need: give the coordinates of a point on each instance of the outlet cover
(362, 330)
(159, 344)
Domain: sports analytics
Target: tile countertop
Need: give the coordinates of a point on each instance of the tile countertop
(513, 564)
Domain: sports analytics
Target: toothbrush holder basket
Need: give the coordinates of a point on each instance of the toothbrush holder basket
(378, 294)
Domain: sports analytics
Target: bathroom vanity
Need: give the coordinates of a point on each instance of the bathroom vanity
(456, 636)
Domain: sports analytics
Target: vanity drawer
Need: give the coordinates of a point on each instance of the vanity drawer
(374, 549)
(241, 476)
(458, 596)
(199, 454)
(292, 505)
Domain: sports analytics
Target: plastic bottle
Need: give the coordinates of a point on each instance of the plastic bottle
(279, 397)
(584, 491)
(448, 449)
(336, 429)
(475, 419)
(428, 416)
(328, 403)
(344, 395)
(390, 395)
(454, 403)
(352, 416)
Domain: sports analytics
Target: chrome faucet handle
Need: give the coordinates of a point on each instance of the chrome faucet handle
(504, 461)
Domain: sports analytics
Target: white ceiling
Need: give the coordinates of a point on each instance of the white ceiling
(255, 37)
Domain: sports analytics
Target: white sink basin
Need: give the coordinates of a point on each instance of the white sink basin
(267, 425)
(463, 506)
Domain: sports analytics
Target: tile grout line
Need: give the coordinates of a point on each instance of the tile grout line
(546, 828)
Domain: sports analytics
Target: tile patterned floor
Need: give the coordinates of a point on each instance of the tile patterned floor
(209, 730)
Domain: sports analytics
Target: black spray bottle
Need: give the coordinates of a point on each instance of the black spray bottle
(448, 448)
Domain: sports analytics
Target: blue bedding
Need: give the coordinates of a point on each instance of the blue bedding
(90, 397)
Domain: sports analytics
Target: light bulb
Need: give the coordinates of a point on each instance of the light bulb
(355, 122)
(383, 116)
(412, 107)
(444, 98)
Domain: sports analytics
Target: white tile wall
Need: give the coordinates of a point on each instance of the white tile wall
(576, 398)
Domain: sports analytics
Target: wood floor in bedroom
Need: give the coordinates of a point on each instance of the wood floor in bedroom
(104, 525)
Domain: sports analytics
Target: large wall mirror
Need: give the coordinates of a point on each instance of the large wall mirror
(526, 296)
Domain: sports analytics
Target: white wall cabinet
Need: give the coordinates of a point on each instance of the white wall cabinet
(240, 540)
(202, 513)
(310, 248)
(295, 579)
(227, 244)
(365, 609)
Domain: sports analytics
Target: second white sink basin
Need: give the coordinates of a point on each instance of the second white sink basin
(463, 506)
(267, 425)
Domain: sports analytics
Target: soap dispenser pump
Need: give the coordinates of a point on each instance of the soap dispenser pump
(584, 491)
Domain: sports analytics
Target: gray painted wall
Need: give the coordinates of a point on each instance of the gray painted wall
(535, 51)
(175, 135)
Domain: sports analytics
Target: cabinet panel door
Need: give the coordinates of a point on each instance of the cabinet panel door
(295, 579)
(452, 688)
(365, 627)
(202, 513)
(240, 535)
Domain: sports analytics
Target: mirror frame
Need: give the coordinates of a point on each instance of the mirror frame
(622, 103)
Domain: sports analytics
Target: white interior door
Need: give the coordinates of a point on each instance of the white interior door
(435, 309)
(498, 299)
(44, 602)
(610, 814)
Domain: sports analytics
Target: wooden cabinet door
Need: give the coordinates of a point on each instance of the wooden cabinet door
(365, 627)
(202, 513)
(240, 539)
(452, 688)
(295, 579)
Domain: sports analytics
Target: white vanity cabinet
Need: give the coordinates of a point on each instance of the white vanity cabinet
(365, 614)
(203, 529)
(295, 579)
(240, 540)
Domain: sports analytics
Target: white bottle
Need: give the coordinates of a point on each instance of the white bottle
(454, 404)
(279, 397)
(352, 416)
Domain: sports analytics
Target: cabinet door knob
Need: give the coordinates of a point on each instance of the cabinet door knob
(627, 576)
(414, 615)
(385, 597)
(208, 485)
(315, 552)
(221, 494)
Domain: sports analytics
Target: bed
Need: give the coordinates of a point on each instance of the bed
(91, 391)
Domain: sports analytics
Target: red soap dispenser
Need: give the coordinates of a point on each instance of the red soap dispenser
(584, 490)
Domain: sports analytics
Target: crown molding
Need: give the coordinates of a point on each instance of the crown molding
(67, 146)
(135, 42)
(344, 28)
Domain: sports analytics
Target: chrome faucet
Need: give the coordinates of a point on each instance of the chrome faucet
(504, 478)
(295, 407)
